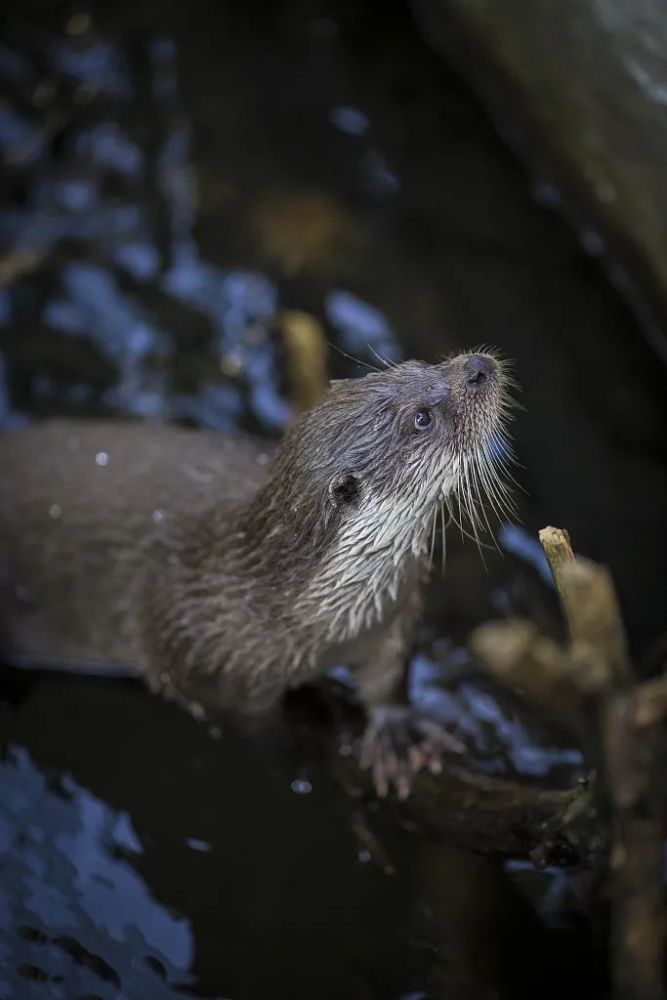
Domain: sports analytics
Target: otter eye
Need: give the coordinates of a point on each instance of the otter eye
(423, 419)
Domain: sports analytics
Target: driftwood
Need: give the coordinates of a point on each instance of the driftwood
(590, 686)
(614, 821)
(494, 816)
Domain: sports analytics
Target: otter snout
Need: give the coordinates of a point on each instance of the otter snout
(479, 368)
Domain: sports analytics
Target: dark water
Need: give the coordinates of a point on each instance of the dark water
(175, 177)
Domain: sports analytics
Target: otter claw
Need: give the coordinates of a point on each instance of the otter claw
(398, 743)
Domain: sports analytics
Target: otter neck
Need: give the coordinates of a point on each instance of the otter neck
(377, 553)
(343, 568)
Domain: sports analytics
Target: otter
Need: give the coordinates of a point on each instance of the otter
(227, 575)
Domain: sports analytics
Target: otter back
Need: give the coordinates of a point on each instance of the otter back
(82, 506)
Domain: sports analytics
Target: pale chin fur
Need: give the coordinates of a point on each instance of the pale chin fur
(376, 551)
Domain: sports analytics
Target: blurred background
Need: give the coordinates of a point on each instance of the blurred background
(191, 190)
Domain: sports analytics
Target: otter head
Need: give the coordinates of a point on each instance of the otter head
(383, 452)
(361, 477)
(366, 471)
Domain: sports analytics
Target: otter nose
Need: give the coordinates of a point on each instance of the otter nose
(479, 368)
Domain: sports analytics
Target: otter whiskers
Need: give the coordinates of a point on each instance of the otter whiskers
(484, 478)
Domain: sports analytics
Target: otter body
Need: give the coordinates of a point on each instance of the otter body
(87, 510)
(226, 575)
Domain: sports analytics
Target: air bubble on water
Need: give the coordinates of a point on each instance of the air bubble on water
(101, 458)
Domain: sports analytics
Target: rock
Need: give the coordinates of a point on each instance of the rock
(581, 90)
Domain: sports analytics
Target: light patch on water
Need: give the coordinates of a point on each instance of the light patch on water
(93, 306)
(301, 786)
(20, 140)
(241, 306)
(521, 544)
(525, 754)
(479, 720)
(343, 675)
(353, 121)
(427, 695)
(140, 259)
(361, 326)
(553, 902)
(77, 195)
(163, 56)
(117, 324)
(100, 66)
(201, 846)
(270, 407)
(378, 179)
(123, 833)
(65, 881)
(107, 145)
(215, 406)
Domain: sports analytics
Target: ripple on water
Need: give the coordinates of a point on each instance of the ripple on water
(75, 918)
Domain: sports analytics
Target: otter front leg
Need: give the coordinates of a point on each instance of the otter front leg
(399, 741)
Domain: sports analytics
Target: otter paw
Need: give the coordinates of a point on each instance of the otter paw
(398, 743)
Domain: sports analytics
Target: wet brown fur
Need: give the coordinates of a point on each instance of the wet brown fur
(223, 576)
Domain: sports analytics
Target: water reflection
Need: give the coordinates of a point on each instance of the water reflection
(492, 727)
(519, 543)
(363, 329)
(75, 918)
(105, 236)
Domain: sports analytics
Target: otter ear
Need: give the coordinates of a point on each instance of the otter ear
(344, 489)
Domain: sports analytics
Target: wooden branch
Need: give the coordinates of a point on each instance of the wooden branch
(628, 718)
(636, 861)
(589, 603)
(480, 812)
(591, 680)
(520, 656)
(650, 703)
(597, 635)
(558, 550)
(306, 351)
(494, 815)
